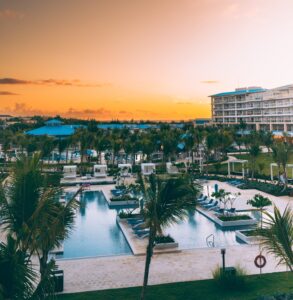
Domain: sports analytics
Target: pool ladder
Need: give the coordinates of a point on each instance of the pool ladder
(210, 240)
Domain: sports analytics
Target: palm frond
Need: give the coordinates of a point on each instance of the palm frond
(277, 236)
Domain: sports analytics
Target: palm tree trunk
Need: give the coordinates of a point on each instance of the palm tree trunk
(149, 255)
(43, 264)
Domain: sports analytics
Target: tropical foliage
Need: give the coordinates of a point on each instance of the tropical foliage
(167, 202)
(34, 221)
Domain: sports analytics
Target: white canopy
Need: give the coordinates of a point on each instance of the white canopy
(148, 168)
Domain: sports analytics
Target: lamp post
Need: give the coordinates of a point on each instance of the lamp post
(223, 252)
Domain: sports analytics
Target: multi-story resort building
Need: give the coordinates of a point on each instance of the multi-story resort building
(260, 109)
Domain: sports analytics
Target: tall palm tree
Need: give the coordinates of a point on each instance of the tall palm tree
(281, 152)
(277, 236)
(31, 212)
(254, 151)
(167, 202)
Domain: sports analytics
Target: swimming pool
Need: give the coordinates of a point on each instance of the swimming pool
(96, 232)
(194, 230)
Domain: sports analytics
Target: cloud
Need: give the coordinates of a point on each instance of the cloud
(6, 93)
(210, 81)
(10, 14)
(22, 109)
(51, 82)
(12, 81)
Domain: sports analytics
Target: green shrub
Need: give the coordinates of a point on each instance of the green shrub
(252, 232)
(277, 297)
(127, 215)
(164, 239)
(230, 280)
(124, 198)
(234, 218)
(52, 179)
(276, 190)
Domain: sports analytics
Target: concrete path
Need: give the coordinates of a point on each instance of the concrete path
(127, 271)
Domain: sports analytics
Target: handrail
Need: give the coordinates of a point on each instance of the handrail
(210, 243)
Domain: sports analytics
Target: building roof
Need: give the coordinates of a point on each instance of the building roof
(53, 122)
(240, 92)
(58, 131)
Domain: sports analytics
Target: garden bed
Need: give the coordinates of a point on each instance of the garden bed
(248, 236)
(165, 242)
(275, 190)
(229, 221)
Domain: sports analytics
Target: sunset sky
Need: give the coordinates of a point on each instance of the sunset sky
(138, 59)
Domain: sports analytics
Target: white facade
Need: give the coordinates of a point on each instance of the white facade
(257, 107)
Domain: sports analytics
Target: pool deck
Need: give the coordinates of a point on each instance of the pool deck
(138, 246)
(127, 271)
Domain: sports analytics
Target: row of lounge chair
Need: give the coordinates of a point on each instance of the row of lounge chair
(208, 203)
(236, 182)
(138, 227)
(212, 204)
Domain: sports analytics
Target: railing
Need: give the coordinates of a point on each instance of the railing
(210, 240)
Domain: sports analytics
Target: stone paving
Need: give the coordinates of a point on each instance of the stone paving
(126, 271)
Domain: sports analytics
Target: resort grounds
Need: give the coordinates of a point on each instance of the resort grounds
(114, 272)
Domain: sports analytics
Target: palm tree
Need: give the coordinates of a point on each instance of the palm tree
(277, 236)
(167, 202)
(254, 152)
(281, 152)
(31, 212)
(259, 201)
(16, 276)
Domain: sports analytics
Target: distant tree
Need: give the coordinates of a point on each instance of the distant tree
(254, 151)
(259, 201)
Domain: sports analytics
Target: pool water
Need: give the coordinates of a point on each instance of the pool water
(194, 230)
(96, 232)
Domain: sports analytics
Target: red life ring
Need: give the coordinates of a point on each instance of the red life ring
(260, 261)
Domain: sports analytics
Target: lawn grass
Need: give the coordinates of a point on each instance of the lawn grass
(264, 158)
(257, 285)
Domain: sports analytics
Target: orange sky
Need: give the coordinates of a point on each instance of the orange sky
(138, 59)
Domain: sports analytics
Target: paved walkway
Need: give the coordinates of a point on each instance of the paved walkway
(126, 271)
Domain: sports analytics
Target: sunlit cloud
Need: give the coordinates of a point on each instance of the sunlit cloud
(51, 82)
(10, 14)
(6, 93)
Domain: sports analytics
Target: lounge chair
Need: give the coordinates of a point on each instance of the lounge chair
(207, 203)
(142, 231)
(214, 206)
(210, 204)
(202, 199)
(141, 237)
(135, 221)
(137, 226)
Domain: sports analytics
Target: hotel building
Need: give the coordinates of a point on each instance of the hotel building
(259, 108)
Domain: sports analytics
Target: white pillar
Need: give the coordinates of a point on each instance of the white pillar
(243, 172)
(272, 176)
(229, 171)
